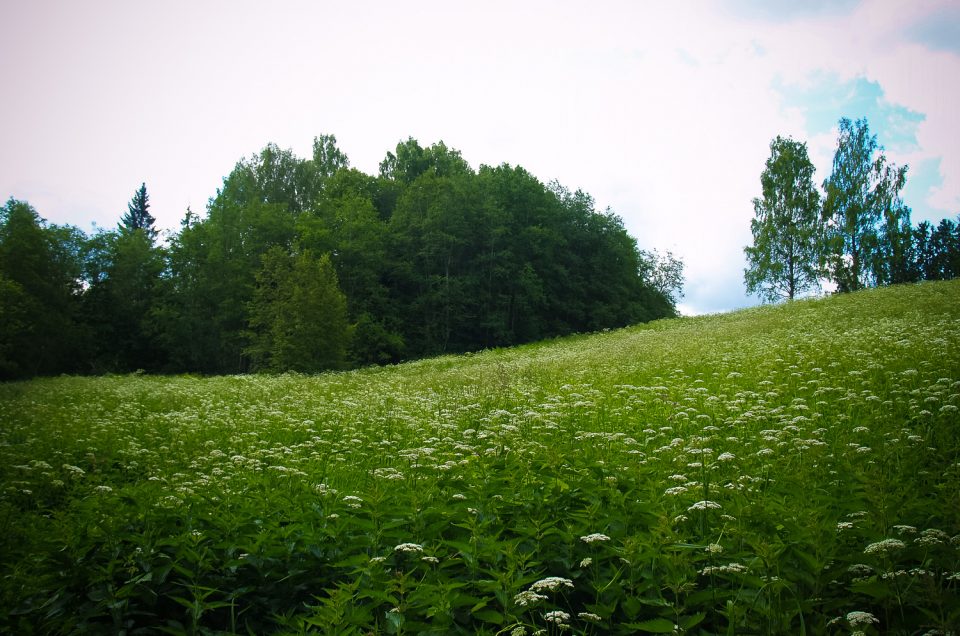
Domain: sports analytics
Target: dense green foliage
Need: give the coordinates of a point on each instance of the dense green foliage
(867, 222)
(430, 256)
(138, 215)
(39, 274)
(779, 470)
(785, 256)
(861, 235)
(298, 313)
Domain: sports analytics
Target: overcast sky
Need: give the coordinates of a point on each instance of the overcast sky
(663, 111)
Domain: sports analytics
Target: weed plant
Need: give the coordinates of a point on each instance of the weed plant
(779, 470)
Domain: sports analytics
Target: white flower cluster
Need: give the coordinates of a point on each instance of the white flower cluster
(527, 597)
(556, 617)
(885, 546)
(729, 568)
(387, 473)
(551, 583)
(933, 536)
(858, 619)
(409, 547)
(594, 538)
(324, 489)
(705, 505)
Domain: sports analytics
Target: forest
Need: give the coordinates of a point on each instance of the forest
(309, 264)
(856, 234)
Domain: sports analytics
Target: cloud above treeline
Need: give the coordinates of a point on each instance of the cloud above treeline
(664, 113)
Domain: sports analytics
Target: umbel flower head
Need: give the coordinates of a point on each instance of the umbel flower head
(861, 619)
(551, 583)
(557, 617)
(528, 597)
(884, 547)
(705, 505)
(409, 547)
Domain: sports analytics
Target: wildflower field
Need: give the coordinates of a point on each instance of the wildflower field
(779, 470)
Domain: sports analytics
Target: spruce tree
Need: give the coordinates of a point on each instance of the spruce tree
(138, 215)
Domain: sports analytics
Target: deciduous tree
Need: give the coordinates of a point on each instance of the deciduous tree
(40, 277)
(783, 260)
(894, 259)
(124, 275)
(860, 191)
(298, 314)
(664, 272)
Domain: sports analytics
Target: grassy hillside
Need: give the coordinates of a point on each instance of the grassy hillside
(783, 469)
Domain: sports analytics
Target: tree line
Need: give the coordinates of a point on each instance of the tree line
(309, 264)
(856, 233)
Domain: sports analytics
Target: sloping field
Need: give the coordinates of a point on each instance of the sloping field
(782, 470)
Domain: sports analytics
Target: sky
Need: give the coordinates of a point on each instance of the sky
(662, 111)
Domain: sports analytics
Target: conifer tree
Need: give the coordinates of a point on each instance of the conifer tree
(138, 215)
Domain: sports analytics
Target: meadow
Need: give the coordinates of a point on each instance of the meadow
(779, 470)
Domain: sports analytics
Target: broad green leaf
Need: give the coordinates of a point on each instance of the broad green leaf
(654, 626)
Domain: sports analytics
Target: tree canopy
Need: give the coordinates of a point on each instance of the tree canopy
(785, 256)
(857, 234)
(40, 278)
(306, 264)
(138, 215)
(862, 192)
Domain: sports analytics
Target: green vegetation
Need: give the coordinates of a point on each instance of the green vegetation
(787, 235)
(428, 257)
(780, 470)
(857, 235)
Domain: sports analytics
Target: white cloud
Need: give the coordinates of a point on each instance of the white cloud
(664, 113)
(874, 42)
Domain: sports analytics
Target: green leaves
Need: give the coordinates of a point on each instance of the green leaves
(655, 626)
(138, 215)
(784, 260)
(298, 314)
(430, 257)
(861, 236)
(40, 268)
(864, 213)
(767, 471)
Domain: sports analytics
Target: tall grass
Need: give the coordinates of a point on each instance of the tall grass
(784, 470)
